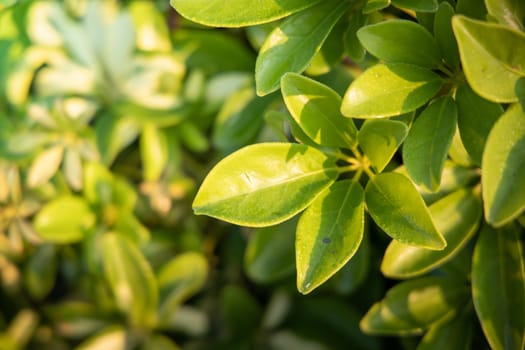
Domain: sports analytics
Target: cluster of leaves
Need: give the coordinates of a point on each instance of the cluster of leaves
(409, 121)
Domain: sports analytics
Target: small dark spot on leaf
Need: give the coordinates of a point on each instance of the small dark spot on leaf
(327, 240)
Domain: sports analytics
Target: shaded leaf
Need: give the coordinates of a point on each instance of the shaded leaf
(457, 333)
(503, 168)
(380, 138)
(398, 209)
(292, 45)
(238, 13)
(457, 217)
(375, 5)
(386, 90)
(315, 107)
(412, 306)
(445, 35)
(66, 219)
(427, 144)
(476, 116)
(328, 234)
(498, 287)
(401, 41)
(417, 5)
(264, 184)
(40, 271)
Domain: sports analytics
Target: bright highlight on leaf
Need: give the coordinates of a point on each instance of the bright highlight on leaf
(386, 90)
(328, 234)
(264, 184)
(398, 209)
(238, 13)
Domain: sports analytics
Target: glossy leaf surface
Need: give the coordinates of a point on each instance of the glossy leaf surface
(456, 216)
(386, 90)
(264, 184)
(478, 43)
(315, 107)
(66, 219)
(445, 35)
(292, 45)
(401, 41)
(476, 116)
(498, 287)
(412, 306)
(131, 279)
(238, 13)
(380, 138)
(503, 168)
(328, 234)
(427, 144)
(398, 209)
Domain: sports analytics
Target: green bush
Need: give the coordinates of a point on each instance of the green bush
(375, 161)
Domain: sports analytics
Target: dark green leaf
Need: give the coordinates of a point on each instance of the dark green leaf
(292, 45)
(412, 306)
(380, 138)
(328, 234)
(427, 144)
(331, 52)
(131, 280)
(270, 254)
(503, 168)
(401, 41)
(487, 47)
(386, 90)
(315, 107)
(238, 13)
(264, 184)
(417, 5)
(445, 35)
(353, 47)
(66, 219)
(455, 334)
(476, 116)
(398, 209)
(472, 8)
(457, 216)
(498, 287)
(40, 271)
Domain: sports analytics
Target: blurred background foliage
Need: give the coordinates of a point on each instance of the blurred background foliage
(111, 113)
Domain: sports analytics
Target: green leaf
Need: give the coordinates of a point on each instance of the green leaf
(426, 147)
(264, 184)
(238, 13)
(445, 35)
(270, 254)
(398, 209)
(401, 41)
(417, 5)
(153, 152)
(113, 135)
(45, 166)
(66, 219)
(454, 334)
(131, 280)
(328, 234)
(457, 216)
(179, 279)
(380, 138)
(503, 168)
(412, 306)
(476, 116)
(158, 342)
(375, 5)
(490, 57)
(331, 52)
(386, 90)
(40, 271)
(315, 107)
(498, 287)
(472, 8)
(353, 47)
(292, 45)
(509, 12)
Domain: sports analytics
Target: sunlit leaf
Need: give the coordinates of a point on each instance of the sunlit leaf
(45, 166)
(398, 209)
(329, 233)
(510, 12)
(114, 338)
(264, 184)
(417, 5)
